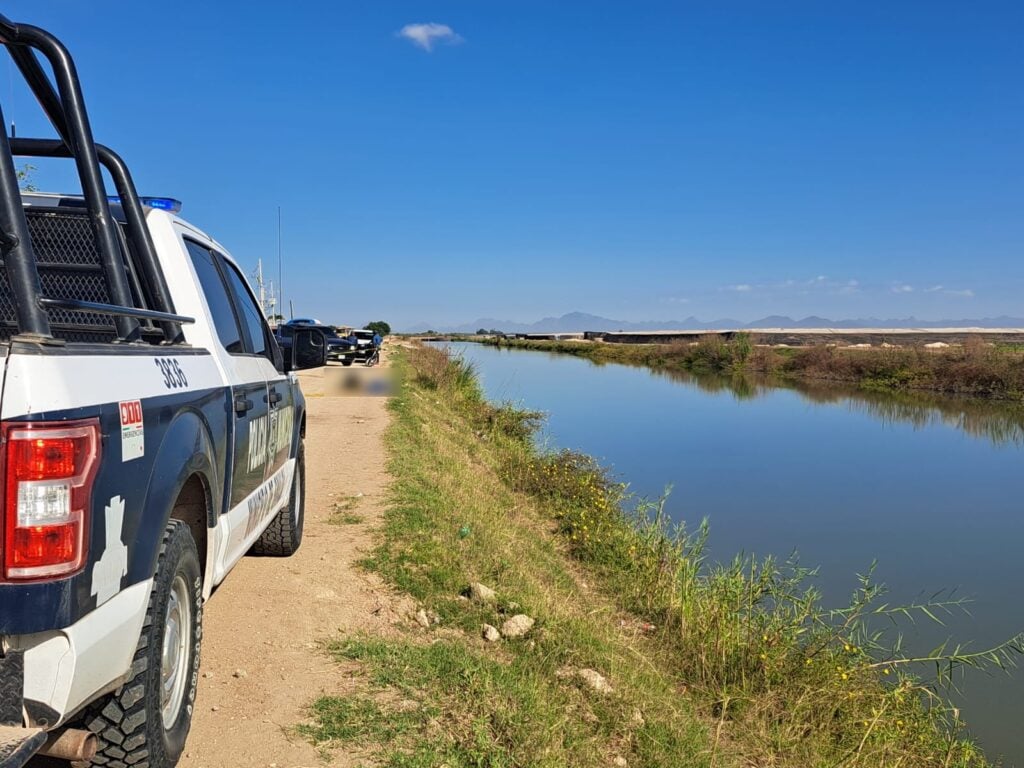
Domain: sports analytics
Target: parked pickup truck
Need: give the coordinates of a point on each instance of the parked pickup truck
(151, 434)
(337, 347)
(362, 348)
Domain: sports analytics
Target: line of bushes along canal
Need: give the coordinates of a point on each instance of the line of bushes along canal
(975, 368)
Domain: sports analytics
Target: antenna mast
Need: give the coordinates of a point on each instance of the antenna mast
(268, 302)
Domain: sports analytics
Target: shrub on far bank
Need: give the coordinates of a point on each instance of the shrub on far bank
(975, 368)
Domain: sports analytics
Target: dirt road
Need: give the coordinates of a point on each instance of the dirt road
(262, 664)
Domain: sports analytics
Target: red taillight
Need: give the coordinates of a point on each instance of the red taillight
(49, 470)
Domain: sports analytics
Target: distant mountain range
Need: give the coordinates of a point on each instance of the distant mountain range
(581, 321)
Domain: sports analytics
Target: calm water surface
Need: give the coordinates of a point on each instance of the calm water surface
(929, 487)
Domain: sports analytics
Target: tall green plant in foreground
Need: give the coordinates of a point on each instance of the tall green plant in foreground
(753, 640)
(737, 664)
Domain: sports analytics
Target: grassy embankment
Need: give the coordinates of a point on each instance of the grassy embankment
(974, 369)
(710, 666)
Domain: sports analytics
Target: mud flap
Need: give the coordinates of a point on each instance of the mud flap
(18, 744)
(12, 683)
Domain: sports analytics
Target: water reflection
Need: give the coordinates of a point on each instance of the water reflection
(998, 422)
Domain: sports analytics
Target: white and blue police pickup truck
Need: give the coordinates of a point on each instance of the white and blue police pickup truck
(151, 434)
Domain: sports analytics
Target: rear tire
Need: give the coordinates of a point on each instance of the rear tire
(146, 721)
(284, 534)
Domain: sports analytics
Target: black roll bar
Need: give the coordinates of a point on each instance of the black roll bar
(16, 249)
(114, 310)
(22, 40)
(138, 232)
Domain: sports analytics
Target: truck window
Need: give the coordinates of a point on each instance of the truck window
(217, 299)
(252, 317)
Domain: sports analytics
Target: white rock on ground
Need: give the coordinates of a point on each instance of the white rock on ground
(490, 634)
(479, 593)
(594, 680)
(517, 626)
(422, 619)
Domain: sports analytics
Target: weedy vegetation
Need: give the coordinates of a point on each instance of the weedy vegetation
(343, 511)
(717, 665)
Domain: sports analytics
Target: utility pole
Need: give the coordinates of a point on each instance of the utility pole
(259, 284)
(280, 270)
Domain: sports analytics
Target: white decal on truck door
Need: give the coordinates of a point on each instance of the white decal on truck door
(113, 565)
(269, 434)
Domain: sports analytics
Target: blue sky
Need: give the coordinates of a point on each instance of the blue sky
(648, 160)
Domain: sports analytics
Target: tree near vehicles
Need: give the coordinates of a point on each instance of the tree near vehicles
(25, 177)
(379, 326)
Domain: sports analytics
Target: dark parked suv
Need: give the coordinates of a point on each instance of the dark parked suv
(336, 345)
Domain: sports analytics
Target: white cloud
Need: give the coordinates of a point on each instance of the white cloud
(426, 36)
(819, 283)
(677, 300)
(966, 293)
(852, 286)
(902, 288)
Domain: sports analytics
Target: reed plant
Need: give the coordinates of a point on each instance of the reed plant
(753, 640)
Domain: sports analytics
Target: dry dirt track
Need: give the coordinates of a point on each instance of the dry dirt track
(262, 659)
(262, 664)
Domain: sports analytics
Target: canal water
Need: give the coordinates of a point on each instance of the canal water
(927, 487)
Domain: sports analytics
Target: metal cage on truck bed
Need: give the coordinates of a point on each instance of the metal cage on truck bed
(74, 271)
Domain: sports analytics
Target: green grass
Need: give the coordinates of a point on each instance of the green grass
(342, 512)
(734, 665)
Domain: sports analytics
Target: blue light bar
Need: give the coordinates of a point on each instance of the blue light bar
(163, 203)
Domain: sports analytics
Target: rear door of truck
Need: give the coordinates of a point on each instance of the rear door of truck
(278, 439)
(246, 365)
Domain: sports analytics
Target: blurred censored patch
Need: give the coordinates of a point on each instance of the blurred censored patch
(360, 382)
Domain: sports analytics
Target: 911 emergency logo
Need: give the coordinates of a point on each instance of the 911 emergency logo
(133, 433)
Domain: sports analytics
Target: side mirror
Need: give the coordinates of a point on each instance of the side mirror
(309, 349)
